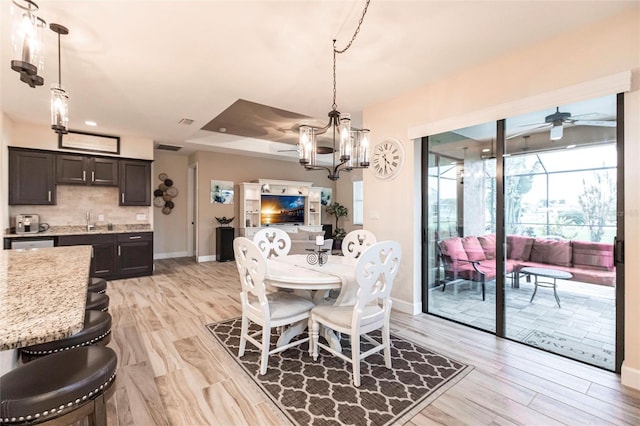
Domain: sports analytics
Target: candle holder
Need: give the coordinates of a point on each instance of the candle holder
(317, 256)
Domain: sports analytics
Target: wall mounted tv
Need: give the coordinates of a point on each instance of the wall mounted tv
(281, 210)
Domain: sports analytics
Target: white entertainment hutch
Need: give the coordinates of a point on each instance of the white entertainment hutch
(250, 203)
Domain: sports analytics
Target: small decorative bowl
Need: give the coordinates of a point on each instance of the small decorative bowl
(224, 221)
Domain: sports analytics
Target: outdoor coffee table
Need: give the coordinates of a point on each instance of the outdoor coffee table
(554, 274)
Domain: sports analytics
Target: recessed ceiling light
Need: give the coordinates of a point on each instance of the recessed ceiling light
(222, 129)
(486, 150)
(186, 121)
(90, 123)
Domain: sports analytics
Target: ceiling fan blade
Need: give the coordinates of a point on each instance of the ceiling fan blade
(319, 150)
(540, 126)
(600, 123)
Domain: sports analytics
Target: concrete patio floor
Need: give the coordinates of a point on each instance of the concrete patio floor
(583, 328)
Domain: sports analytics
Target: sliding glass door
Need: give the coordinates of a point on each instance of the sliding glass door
(520, 219)
(461, 212)
(561, 222)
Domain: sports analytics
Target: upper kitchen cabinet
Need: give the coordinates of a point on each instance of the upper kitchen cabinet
(135, 183)
(32, 177)
(82, 170)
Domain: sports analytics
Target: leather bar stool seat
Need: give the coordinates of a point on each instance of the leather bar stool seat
(61, 388)
(97, 285)
(97, 302)
(96, 331)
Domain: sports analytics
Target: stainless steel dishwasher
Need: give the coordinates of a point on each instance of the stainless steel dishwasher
(32, 243)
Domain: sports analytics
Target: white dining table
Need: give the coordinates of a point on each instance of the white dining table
(293, 272)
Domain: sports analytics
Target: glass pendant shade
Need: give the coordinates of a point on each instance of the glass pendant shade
(345, 136)
(25, 39)
(59, 109)
(363, 151)
(307, 145)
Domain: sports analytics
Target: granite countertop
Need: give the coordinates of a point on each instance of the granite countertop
(43, 294)
(82, 230)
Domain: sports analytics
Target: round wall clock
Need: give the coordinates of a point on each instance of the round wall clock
(388, 158)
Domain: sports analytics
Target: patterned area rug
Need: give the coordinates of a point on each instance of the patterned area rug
(321, 392)
(572, 349)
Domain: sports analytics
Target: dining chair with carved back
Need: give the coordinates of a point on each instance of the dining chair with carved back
(268, 310)
(272, 242)
(376, 270)
(355, 242)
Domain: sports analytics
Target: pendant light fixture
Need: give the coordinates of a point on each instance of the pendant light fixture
(350, 146)
(27, 42)
(59, 98)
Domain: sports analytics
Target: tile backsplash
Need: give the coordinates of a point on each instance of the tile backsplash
(74, 201)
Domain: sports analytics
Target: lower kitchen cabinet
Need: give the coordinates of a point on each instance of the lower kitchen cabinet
(103, 261)
(135, 254)
(116, 256)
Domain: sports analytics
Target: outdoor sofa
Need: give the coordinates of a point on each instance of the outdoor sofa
(473, 258)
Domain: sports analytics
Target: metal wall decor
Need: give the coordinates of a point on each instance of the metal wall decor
(164, 195)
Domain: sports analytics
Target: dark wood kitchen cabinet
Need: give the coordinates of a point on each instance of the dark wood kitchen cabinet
(116, 256)
(83, 170)
(135, 183)
(31, 177)
(103, 259)
(135, 254)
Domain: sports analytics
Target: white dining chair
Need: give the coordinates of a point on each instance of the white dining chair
(355, 242)
(376, 269)
(269, 310)
(272, 242)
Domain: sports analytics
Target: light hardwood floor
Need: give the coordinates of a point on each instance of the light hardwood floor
(172, 371)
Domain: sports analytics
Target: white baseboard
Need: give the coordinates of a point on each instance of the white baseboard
(630, 377)
(170, 255)
(406, 307)
(210, 258)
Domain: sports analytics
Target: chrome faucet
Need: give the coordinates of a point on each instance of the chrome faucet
(89, 226)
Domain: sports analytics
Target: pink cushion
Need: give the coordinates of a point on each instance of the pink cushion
(551, 251)
(473, 248)
(453, 248)
(519, 247)
(595, 255)
(488, 243)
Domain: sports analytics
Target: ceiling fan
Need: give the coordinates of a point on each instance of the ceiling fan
(319, 150)
(559, 119)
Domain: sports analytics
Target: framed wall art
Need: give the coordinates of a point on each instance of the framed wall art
(221, 192)
(325, 196)
(84, 141)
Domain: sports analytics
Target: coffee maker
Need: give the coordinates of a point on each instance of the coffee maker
(27, 223)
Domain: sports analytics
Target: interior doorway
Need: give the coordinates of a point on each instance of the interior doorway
(192, 209)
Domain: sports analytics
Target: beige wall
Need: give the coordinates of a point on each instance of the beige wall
(471, 97)
(170, 236)
(237, 169)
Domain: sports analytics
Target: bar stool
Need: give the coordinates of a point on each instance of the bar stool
(97, 302)
(59, 389)
(97, 285)
(96, 331)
